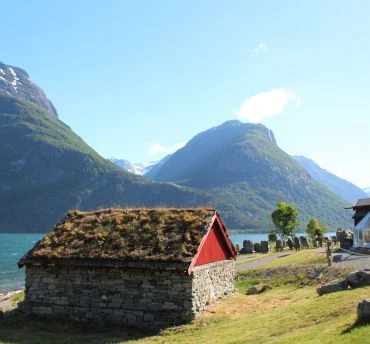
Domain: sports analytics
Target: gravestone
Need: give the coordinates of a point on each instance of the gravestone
(257, 247)
(248, 246)
(290, 244)
(297, 244)
(279, 245)
(304, 242)
(265, 246)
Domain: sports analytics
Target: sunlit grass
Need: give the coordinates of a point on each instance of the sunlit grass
(281, 315)
(291, 312)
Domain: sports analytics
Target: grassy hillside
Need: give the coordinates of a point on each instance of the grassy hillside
(46, 169)
(245, 172)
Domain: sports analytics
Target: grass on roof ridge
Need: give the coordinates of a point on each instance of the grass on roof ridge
(154, 234)
(159, 208)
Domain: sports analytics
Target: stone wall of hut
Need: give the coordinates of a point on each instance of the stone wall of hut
(150, 298)
(211, 282)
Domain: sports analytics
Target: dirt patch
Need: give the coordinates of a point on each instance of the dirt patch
(6, 300)
(240, 304)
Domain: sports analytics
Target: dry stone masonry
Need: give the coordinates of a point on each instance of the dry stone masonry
(149, 297)
(149, 268)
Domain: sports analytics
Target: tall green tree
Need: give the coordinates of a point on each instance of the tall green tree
(315, 228)
(285, 219)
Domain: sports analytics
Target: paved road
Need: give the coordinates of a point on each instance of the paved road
(347, 258)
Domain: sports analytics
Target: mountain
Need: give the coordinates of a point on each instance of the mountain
(136, 168)
(46, 169)
(241, 166)
(155, 167)
(16, 82)
(367, 192)
(339, 186)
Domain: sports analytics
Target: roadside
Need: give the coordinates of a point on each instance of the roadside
(340, 258)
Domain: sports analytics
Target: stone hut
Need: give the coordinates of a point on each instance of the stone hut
(139, 267)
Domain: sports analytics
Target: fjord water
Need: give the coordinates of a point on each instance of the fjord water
(13, 247)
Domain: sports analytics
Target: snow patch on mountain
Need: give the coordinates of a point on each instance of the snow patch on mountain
(139, 168)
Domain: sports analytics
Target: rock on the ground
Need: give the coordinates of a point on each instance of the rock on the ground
(257, 289)
(363, 310)
(332, 287)
(358, 279)
(337, 258)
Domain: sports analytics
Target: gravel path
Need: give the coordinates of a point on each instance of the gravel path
(255, 262)
(344, 258)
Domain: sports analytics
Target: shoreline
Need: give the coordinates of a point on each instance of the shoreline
(6, 302)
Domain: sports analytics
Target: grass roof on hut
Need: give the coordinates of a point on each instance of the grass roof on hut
(161, 234)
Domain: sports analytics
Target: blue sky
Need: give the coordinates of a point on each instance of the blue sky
(137, 78)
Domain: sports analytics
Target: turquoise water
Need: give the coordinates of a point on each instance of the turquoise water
(13, 247)
(255, 237)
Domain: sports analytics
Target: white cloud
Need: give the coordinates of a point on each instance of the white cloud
(267, 104)
(260, 48)
(157, 148)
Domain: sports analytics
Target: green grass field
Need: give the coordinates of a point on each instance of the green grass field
(288, 313)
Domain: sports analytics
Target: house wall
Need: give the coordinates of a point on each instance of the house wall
(149, 298)
(134, 297)
(211, 282)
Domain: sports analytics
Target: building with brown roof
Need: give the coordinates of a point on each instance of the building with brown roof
(141, 267)
(360, 208)
(361, 217)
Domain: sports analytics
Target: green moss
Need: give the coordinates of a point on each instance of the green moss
(132, 234)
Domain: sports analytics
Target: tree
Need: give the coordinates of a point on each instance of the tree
(272, 236)
(284, 218)
(315, 228)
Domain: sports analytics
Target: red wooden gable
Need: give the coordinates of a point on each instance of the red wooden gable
(215, 245)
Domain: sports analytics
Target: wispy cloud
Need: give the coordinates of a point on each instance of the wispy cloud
(260, 48)
(267, 104)
(158, 148)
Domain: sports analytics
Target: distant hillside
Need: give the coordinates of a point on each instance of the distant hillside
(339, 186)
(152, 171)
(46, 169)
(367, 192)
(246, 173)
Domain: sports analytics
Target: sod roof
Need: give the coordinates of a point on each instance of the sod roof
(160, 234)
